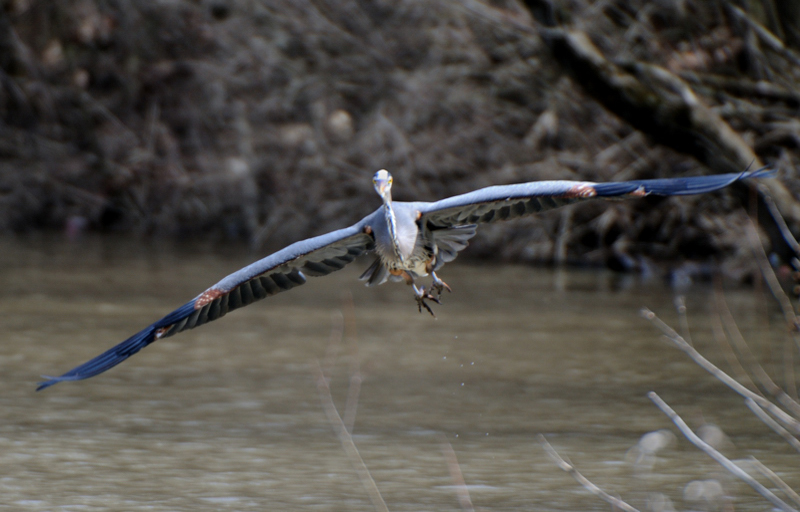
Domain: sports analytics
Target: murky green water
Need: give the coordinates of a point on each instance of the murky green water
(228, 416)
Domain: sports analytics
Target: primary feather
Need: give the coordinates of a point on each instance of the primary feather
(411, 239)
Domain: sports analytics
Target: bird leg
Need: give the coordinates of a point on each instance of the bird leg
(438, 286)
(421, 295)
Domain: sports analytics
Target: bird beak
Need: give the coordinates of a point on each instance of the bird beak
(383, 187)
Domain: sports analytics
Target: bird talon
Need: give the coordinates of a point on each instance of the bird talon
(420, 294)
(434, 298)
(422, 304)
(439, 288)
(439, 285)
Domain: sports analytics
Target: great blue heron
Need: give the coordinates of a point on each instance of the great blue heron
(411, 239)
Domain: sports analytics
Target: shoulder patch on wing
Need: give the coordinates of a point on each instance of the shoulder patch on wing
(581, 190)
(207, 297)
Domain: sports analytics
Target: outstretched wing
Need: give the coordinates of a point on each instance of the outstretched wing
(276, 273)
(510, 201)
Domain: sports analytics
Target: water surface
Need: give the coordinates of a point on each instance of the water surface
(228, 416)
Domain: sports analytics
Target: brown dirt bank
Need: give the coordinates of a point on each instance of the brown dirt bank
(264, 120)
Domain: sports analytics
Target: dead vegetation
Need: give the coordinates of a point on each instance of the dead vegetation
(262, 121)
(771, 398)
(775, 405)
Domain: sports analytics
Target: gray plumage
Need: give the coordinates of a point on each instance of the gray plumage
(410, 240)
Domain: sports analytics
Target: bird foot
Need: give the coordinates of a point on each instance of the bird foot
(439, 286)
(421, 296)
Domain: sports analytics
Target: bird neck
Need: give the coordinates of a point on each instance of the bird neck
(391, 224)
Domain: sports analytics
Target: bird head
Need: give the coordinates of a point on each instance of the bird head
(382, 181)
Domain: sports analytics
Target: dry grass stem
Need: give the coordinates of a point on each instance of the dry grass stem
(564, 234)
(770, 39)
(787, 420)
(347, 441)
(744, 349)
(771, 423)
(725, 345)
(354, 388)
(496, 16)
(680, 307)
(351, 403)
(780, 222)
(730, 323)
(776, 480)
(772, 280)
(788, 370)
(334, 343)
(717, 456)
(589, 486)
(462, 493)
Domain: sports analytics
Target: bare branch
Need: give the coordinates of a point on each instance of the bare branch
(772, 281)
(334, 342)
(680, 307)
(790, 422)
(788, 370)
(724, 342)
(780, 222)
(653, 100)
(771, 423)
(354, 389)
(763, 377)
(765, 35)
(717, 456)
(462, 493)
(775, 479)
(769, 276)
(347, 442)
(589, 486)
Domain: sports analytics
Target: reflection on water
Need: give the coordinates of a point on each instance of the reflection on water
(228, 417)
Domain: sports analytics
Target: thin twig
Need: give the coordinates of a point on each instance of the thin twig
(717, 456)
(771, 423)
(765, 35)
(497, 17)
(462, 493)
(347, 442)
(334, 342)
(747, 355)
(680, 307)
(788, 370)
(724, 343)
(780, 222)
(589, 486)
(790, 422)
(775, 479)
(354, 389)
(763, 377)
(772, 280)
(563, 237)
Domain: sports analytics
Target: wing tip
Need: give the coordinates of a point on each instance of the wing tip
(51, 381)
(46, 384)
(104, 361)
(763, 172)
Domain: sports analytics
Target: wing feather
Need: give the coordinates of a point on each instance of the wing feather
(274, 274)
(505, 202)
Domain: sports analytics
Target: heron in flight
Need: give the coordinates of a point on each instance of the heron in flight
(410, 240)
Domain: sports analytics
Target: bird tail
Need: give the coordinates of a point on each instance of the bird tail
(376, 274)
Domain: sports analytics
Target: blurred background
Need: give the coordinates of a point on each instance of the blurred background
(147, 149)
(261, 122)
